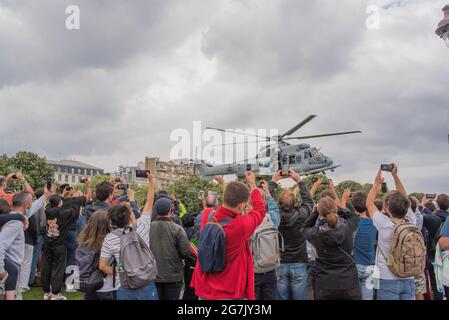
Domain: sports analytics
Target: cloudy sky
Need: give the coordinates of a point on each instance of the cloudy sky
(112, 92)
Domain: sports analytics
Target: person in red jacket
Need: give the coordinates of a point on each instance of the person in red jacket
(236, 281)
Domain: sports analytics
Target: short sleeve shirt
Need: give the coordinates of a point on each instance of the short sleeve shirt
(385, 228)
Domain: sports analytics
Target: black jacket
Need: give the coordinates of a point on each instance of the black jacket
(32, 231)
(292, 220)
(335, 267)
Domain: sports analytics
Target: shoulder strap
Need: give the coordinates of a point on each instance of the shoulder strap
(211, 215)
(347, 254)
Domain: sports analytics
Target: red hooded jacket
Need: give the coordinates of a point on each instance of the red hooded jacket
(236, 281)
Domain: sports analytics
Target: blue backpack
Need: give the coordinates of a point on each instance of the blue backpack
(212, 245)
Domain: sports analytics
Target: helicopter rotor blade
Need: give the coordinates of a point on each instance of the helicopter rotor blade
(236, 132)
(235, 143)
(323, 135)
(298, 126)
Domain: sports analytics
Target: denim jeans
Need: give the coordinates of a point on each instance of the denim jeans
(71, 247)
(148, 292)
(401, 289)
(36, 255)
(365, 281)
(266, 285)
(292, 281)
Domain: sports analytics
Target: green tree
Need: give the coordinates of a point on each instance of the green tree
(186, 190)
(35, 169)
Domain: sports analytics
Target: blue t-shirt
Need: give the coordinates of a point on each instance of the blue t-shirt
(364, 242)
(445, 229)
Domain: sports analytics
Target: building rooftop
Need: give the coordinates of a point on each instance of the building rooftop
(72, 163)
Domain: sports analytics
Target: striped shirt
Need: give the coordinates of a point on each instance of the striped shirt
(111, 243)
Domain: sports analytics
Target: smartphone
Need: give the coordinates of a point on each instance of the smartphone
(211, 193)
(123, 186)
(49, 183)
(248, 167)
(83, 180)
(384, 187)
(431, 196)
(200, 195)
(142, 173)
(117, 180)
(387, 167)
(285, 172)
(14, 176)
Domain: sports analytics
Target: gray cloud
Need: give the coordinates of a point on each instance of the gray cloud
(112, 92)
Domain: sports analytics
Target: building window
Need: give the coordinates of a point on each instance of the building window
(59, 177)
(73, 179)
(66, 179)
(73, 170)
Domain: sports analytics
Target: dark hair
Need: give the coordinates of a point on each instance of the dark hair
(39, 192)
(327, 193)
(188, 221)
(235, 194)
(379, 204)
(443, 202)
(4, 206)
(103, 190)
(63, 186)
(413, 204)
(18, 200)
(358, 200)
(397, 204)
(2, 180)
(119, 215)
(162, 192)
(97, 228)
(431, 206)
(54, 201)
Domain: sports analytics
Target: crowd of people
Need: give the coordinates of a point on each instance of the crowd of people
(380, 245)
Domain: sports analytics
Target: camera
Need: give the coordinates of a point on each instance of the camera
(285, 172)
(49, 184)
(384, 187)
(387, 167)
(142, 173)
(431, 196)
(14, 176)
(83, 180)
(117, 180)
(123, 186)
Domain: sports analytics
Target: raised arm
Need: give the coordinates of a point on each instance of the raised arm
(272, 207)
(345, 197)
(26, 185)
(315, 187)
(332, 189)
(399, 186)
(371, 198)
(150, 195)
(254, 218)
(88, 194)
(307, 201)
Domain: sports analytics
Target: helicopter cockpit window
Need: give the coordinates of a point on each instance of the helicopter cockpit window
(306, 155)
(284, 160)
(291, 159)
(268, 153)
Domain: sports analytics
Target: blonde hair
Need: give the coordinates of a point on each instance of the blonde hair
(328, 209)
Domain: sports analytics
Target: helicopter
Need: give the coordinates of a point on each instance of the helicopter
(277, 155)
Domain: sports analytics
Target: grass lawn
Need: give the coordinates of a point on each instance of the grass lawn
(38, 294)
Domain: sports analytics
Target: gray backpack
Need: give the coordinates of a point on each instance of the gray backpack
(137, 266)
(265, 246)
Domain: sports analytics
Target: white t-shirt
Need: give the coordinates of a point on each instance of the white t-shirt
(111, 248)
(385, 228)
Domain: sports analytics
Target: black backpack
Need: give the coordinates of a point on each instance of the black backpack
(90, 277)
